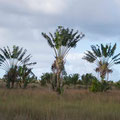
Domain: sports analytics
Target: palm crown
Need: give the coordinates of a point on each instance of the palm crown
(104, 58)
(17, 57)
(63, 40)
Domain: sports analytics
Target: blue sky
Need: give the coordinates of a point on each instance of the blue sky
(22, 21)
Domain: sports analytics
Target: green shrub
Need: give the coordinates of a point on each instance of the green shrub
(71, 79)
(117, 84)
(87, 79)
(60, 90)
(105, 86)
(46, 79)
(98, 86)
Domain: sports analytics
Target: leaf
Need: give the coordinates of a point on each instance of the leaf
(116, 56)
(48, 39)
(113, 49)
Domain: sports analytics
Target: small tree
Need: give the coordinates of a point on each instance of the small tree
(72, 79)
(87, 79)
(98, 86)
(10, 61)
(25, 75)
(46, 79)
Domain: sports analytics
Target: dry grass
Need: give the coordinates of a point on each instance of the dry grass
(41, 104)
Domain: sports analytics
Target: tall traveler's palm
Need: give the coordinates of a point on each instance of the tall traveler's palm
(61, 42)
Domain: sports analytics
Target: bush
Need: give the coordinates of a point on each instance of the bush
(87, 79)
(72, 79)
(95, 87)
(46, 79)
(60, 90)
(98, 86)
(117, 84)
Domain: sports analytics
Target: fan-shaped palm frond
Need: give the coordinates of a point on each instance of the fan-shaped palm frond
(63, 40)
(104, 58)
(12, 61)
(16, 57)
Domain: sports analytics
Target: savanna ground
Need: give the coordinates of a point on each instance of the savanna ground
(43, 104)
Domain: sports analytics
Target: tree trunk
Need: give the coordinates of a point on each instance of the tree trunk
(12, 84)
(58, 80)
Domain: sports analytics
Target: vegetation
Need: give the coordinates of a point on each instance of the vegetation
(72, 79)
(104, 58)
(117, 84)
(79, 100)
(26, 76)
(35, 104)
(98, 86)
(46, 79)
(61, 41)
(15, 63)
(87, 79)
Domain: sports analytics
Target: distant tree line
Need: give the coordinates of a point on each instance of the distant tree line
(75, 81)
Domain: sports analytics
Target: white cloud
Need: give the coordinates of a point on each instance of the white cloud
(75, 64)
(42, 6)
(47, 6)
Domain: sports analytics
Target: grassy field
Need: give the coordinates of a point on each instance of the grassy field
(39, 104)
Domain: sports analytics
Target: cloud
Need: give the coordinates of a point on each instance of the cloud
(75, 63)
(46, 6)
(31, 6)
(91, 16)
(22, 21)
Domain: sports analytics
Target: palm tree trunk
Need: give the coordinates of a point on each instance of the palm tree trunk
(58, 80)
(12, 84)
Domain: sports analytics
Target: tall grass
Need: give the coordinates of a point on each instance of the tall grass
(36, 104)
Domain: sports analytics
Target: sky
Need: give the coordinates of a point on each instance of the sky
(22, 21)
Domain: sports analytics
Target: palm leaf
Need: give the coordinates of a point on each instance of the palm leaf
(48, 39)
(113, 49)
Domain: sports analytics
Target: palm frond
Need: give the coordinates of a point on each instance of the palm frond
(96, 51)
(90, 58)
(48, 39)
(113, 49)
